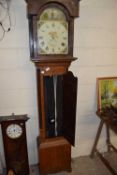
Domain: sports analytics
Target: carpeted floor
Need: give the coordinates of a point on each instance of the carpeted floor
(86, 166)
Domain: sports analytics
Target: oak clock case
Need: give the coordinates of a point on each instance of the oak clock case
(15, 144)
(51, 36)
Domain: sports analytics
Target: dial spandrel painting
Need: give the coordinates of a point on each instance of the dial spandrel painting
(52, 32)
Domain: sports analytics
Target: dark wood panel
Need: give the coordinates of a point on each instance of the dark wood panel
(59, 104)
(35, 5)
(69, 106)
(49, 106)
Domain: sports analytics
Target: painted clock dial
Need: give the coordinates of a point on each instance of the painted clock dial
(14, 131)
(52, 32)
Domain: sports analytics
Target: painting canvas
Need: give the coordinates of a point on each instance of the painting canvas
(107, 92)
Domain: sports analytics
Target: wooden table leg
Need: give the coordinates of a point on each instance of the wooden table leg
(108, 138)
(106, 163)
(97, 138)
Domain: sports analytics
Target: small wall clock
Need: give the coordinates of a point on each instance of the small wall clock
(15, 143)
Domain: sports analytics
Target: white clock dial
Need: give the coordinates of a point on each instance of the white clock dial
(53, 37)
(52, 32)
(14, 131)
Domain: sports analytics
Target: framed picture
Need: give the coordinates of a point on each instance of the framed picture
(107, 92)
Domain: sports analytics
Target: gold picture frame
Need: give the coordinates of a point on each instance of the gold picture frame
(106, 92)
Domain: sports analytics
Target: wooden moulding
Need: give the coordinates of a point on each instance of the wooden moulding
(52, 70)
(33, 6)
(53, 67)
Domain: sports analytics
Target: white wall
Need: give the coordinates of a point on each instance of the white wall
(95, 46)
(17, 75)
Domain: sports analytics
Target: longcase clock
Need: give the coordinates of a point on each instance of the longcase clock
(51, 37)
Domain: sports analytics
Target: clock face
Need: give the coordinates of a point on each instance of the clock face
(14, 131)
(52, 32)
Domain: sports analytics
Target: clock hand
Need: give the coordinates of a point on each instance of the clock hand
(53, 35)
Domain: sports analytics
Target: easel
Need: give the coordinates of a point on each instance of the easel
(109, 118)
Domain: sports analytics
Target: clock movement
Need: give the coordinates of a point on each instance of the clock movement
(51, 38)
(15, 144)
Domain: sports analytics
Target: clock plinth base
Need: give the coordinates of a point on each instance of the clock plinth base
(54, 155)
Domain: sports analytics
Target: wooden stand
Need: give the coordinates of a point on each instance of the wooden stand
(54, 155)
(108, 118)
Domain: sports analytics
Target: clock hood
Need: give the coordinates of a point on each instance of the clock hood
(33, 6)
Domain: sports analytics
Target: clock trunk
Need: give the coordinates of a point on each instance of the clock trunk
(57, 120)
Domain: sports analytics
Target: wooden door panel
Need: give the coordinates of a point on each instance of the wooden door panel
(69, 106)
